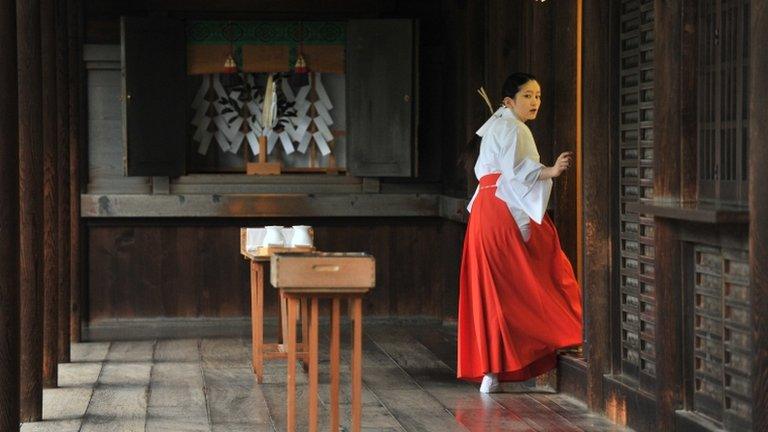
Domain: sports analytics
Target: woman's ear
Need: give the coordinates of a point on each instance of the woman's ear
(508, 102)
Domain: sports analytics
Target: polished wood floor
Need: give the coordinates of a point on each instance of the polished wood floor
(207, 385)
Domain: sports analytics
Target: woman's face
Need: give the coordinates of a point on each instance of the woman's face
(527, 101)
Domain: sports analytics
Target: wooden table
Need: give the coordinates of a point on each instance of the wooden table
(310, 278)
(260, 350)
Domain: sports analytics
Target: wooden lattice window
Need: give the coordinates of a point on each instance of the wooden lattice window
(723, 99)
(636, 245)
(722, 344)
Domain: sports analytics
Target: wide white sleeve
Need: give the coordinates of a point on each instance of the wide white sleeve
(519, 185)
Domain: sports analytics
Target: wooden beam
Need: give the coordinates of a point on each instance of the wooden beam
(50, 197)
(758, 212)
(9, 221)
(31, 208)
(667, 127)
(597, 145)
(74, 14)
(62, 127)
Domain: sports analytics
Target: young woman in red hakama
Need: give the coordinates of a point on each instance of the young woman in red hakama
(519, 301)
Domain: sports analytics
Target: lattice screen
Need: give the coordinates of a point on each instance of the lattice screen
(721, 336)
(638, 300)
(723, 71)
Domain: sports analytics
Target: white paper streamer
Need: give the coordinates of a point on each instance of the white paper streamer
(285, 140)
(200, 113)
(202, 127)
(271, 140)
(301, 96)
(253, 141)
(304, 143)
(205, 141)
(218, 87)
(324, 113)
(200, 95)
(236, 142)
(287, 90)
(322, 128)
(321, 92)
(255, 126)
(222, 140)
(321, 143)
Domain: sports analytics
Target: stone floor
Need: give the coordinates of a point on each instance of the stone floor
(207, 385)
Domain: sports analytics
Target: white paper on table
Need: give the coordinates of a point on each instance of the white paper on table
(304, 144)
(321, 92)
(222, 140)
(200, 113)
(202, 127)
(200, 95)
(205, 141)
(324, 113)
(271, 140)
(253, 141)
(301, 96)
(322, 128)
(254, 237)
(287, 90)
(321, 143)
(236, 142)
(285, 140)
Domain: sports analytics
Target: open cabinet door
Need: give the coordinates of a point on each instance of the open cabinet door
(154, 93)
(380, 97)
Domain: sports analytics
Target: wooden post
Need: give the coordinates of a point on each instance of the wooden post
(597, 142)
(31, 208)
(667, 123)
(62, 127)
(50, 196)
(758, 213)
(9, 221)
(257, 319)
(74, 65)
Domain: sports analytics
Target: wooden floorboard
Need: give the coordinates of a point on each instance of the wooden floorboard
(206, 385)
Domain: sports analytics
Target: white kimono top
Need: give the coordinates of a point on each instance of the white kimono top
(507, 147)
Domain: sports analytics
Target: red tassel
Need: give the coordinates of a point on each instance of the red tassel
(229, 65)
(301, 65)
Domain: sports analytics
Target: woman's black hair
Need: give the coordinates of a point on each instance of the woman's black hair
(511, 86)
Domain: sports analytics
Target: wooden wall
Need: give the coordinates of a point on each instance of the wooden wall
(193, 268)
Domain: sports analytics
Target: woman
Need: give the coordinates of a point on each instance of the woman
(519, 301)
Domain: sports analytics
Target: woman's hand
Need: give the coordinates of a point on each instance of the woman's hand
(562, 163)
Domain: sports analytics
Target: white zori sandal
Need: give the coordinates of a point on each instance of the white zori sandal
(490, 384)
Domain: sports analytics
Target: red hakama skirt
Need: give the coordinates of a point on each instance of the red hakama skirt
(519, 301)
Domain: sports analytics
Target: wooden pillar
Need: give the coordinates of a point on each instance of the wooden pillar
(31, 208)
(62, 137)
(758, 213)
(9, 221)
(667, 186)
(598, 143)
(74, 51)
(50, 198)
